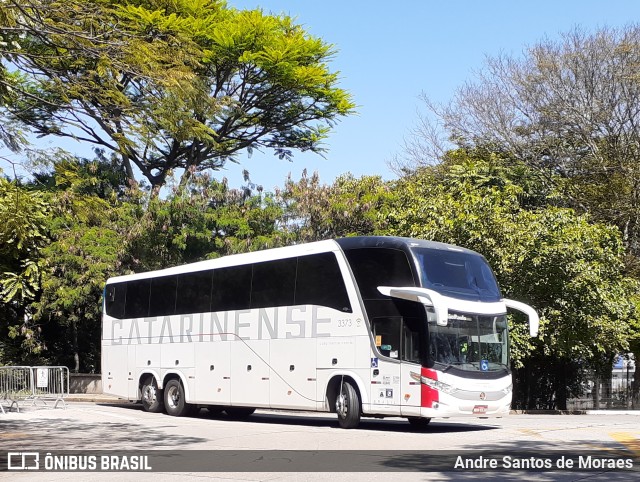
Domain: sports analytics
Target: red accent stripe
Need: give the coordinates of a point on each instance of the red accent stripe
(428, 395)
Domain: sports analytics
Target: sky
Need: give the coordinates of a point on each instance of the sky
(391, 52)
(388, 53)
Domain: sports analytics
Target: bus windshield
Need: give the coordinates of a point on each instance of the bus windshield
(473, 343)
(458, 274)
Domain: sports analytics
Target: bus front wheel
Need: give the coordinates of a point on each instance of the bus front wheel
(151, 396)
(348, 406)
(419, 422)
(174, 402)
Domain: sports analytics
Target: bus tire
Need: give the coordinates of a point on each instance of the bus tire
(348, 406)
(151, 396)
(419, 422)
(239, 413)
(174, 402)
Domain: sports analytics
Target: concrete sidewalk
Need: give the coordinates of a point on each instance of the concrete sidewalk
(95, 398)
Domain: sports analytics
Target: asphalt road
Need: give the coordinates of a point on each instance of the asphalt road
(524, 439)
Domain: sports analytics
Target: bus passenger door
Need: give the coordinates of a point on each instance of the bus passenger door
(385, 369)
(412, 334)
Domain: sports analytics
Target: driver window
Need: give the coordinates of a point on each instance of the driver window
(398, 338)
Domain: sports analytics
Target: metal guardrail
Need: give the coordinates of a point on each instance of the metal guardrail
(22, 384)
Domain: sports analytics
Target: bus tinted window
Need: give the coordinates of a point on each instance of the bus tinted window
(457, 273)
(273, 283)
(231, 288)
(320, 282)
(373, 267)
(114, 299)
(163, 296)
(137, 302)
(194, 292)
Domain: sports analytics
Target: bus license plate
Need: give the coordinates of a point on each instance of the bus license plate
(480, 409)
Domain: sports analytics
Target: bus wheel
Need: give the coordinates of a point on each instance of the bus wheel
(239, 413)
(348, 406)
(151, 396)
(174, 402)
(419, 422)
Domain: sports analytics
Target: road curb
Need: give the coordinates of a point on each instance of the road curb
(575, 412)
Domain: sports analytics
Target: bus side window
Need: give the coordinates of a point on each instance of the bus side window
(137, 300)
(319, 282)
(386, 332)
(398, 337)
(193, 292)
(163, 296)
(410, 340)
(273, 283)
(373, 267)
(115, 298)
(231, 288)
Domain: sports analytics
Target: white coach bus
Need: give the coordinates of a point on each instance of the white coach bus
(362, 326)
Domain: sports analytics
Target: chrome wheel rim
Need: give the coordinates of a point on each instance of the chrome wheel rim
(173, 397)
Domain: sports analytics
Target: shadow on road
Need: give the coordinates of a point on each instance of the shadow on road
(312, 420)
(68, 434)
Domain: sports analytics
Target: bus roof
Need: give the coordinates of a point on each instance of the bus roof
(237, 259)
(396, 242)
(295, 250)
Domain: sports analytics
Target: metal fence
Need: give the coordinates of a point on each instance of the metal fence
(35, 385)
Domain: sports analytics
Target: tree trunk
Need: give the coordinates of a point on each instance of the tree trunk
(561, 387)
(635, 386)
(74, 341)
(609, 391)
(596, 390)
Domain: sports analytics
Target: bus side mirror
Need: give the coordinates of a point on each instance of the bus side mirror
(421, 295)
(534, 320)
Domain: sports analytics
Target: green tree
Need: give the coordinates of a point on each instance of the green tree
(167, 85)
(201, 219)
(23, 234)
(567, 267)
(87, 227)
(348, 207)
(567, 108)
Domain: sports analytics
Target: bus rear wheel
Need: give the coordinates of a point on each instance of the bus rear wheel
(151, 396)
(348, 406)
(174, 400)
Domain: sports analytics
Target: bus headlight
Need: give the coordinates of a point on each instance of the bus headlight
(508, 390)
(437, 385)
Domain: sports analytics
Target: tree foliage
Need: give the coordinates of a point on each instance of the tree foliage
(167, 84)
(23, 217)
(567, 108)
(347, 207)
(203, 219)
(567, 267)
(87, 228)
